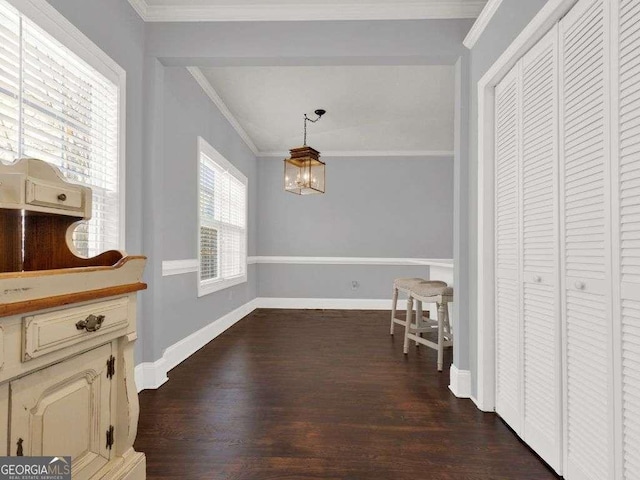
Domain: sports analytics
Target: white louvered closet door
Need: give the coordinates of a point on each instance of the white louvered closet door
(541, 326)
(586, 240)
(507, 254)
(626, 215)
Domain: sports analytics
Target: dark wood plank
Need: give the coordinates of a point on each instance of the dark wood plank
(10, 240)
(294, 394)
(46, 248)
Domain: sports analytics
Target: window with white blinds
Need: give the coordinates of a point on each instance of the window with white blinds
(222, 229)
(57, 107)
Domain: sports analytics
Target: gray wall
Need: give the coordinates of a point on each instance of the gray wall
(504, 27)
(373, 207)
(189, 113)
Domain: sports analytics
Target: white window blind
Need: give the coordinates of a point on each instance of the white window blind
(56, 107)
(223, 221)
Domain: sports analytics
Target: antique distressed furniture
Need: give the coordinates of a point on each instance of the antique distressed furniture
(67, 329)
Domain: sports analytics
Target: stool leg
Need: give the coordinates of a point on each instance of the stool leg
(418, 318)
(394, 303)
(447, 320)
(441, 314)
(407, 327)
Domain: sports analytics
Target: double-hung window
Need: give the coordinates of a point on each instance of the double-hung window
(63, 108)
(222, 226)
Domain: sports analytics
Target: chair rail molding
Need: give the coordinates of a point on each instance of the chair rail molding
(179, 267)
(439, 262)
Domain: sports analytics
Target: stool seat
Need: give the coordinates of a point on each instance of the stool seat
(406, 283)
(427, 290)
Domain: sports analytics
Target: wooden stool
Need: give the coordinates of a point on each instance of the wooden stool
(441, 296)
(404, 285)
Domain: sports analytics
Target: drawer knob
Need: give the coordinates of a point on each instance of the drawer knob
(91, 324)
(580, 285)
(62, 197)
(537, 279)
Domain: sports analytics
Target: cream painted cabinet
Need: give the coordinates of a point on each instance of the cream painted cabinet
(65, 410)
(67, 331)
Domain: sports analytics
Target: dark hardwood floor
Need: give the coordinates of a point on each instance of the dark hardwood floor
(310, 394)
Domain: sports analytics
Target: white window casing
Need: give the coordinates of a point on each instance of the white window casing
(222, 222)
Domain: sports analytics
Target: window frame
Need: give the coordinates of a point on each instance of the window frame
(206, 287)
(45, 16)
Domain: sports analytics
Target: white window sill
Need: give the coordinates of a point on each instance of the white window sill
(207, 287)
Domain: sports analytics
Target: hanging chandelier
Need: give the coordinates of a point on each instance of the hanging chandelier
(303, 171)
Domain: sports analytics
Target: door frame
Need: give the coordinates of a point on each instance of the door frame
(548, 16)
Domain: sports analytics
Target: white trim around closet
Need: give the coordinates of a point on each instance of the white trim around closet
(548, 15)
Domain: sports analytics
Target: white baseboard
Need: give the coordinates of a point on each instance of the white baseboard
(327, 303)
(460, 382)
(481, 406)
(152, 375)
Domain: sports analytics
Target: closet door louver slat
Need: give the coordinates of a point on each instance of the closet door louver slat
(508, 356)
(540, 252)
(586, 243)
(626, 181)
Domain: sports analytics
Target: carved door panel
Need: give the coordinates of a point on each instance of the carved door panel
(65, 410)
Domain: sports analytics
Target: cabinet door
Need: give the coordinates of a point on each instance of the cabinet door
(65, 410)
(586, 240)
(626, 197)
(507, 255)
(542, 373)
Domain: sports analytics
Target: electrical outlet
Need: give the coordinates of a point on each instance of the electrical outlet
(355, 285)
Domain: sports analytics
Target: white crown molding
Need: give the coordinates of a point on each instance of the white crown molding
(481, 23)
(414, 10)
(215, 98)
(372, 153)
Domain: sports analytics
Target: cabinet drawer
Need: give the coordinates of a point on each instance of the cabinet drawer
(48, 332)
(48, 195)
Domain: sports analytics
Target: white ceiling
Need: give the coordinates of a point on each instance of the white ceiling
(403, 109)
